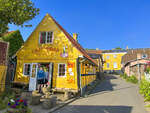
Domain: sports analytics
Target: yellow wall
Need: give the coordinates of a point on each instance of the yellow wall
(88, 74)
(3, 70)
(111, 60)
(33, 52)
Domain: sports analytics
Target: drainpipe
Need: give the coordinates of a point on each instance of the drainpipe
(79, 75)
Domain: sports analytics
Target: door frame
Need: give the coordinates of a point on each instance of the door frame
(31, 76)
(50, 75)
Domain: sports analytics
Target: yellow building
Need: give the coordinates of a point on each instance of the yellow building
(67, 64)
(112, 60)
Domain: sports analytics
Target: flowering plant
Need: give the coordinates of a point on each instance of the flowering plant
(18, 104)
(147, 67)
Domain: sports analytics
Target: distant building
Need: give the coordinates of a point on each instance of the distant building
(112, 60)
(96, 54)
(135, 59)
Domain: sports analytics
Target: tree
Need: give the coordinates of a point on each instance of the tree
(15, 41)
(118, 48)
(16, 12)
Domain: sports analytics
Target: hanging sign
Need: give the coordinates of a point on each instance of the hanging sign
(70, 68)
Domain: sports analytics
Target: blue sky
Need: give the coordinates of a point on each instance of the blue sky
(103, 24)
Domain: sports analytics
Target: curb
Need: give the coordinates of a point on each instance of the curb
(73, 99)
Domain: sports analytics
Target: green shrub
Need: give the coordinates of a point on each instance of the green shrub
(123, 75)
(132, 79)
(145, 89)
(4, 99)
(3, 104)
(15, 42)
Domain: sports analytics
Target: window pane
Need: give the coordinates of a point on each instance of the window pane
(49, 37)
(61, 69)
(27, 69)
(42, 37)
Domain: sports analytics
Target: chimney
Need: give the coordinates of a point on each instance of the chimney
(139, 56)
(75, 36)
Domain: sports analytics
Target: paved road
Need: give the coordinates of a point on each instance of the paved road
(113, 95)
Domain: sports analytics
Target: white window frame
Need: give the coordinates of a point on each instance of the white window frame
(24, 69)
(115, 65)
(107, 65)
(115, 55)
(145, 55)
(107, 57)
(65, 70)
(46, 37)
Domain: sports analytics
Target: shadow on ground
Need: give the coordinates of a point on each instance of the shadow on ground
(106, 86)
(95, 109)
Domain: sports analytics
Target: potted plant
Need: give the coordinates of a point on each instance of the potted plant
(17, 106)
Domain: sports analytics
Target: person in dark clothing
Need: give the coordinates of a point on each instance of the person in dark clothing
(41, 78)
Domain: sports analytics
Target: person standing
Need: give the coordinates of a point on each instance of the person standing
(41, 78)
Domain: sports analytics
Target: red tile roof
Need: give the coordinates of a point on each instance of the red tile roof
(74, 42)
(8, 33)
(94, 51)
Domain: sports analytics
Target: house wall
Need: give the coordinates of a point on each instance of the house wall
(132, 68)
(3, 71)
(127, 70)
(111, 61)
(88, 74)
(3, 63)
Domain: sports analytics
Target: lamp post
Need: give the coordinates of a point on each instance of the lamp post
(138, 64)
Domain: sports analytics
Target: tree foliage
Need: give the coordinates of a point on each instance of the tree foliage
(118, 48)
(15, 42)
(16, 12)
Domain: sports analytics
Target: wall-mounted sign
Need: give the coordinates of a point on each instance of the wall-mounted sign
(70, 64)
(71, 68)
(47, 48)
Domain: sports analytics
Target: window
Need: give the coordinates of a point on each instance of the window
(144, 56)
(107, 65)
(46, 37)
(107, 57)
(115, 65)
(115, 56)
(27, 69)
(62, 69)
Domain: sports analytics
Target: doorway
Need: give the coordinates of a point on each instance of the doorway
(47, 75)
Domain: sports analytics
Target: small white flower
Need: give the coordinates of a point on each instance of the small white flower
(12, 100)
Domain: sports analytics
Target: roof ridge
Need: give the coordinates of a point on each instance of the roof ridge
(74, 42)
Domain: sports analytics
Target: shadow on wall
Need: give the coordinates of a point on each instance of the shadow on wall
(95, 109)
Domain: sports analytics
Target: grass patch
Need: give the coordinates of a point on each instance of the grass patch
(145, 89)
(131, 79)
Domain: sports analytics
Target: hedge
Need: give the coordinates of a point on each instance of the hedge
(15, 41)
